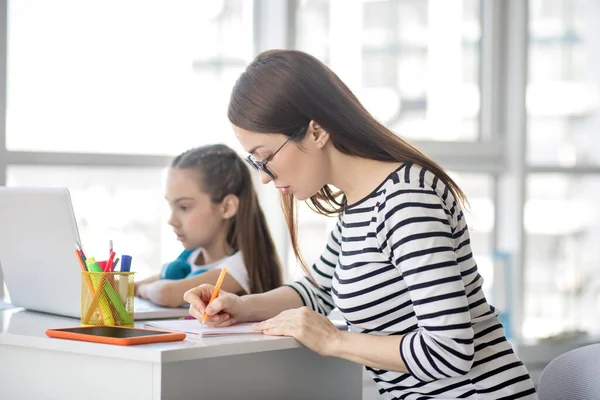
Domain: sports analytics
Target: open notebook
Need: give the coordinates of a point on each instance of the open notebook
(194, 327)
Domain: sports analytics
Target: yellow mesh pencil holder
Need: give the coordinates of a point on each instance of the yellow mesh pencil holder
(107, 298)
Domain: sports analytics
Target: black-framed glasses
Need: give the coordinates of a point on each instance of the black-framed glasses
(262, 165)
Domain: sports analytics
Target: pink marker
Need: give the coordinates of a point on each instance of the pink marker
(109, 264)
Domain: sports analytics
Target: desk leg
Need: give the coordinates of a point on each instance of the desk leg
(284, 374)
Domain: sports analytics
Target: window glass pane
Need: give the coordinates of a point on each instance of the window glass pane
(416, 66)
(136, 76)
(479, 189)
(314, 229)
(562, 283)
(125, 205)
(563, 94)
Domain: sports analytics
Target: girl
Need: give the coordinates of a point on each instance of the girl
(216, 216)
(398, 265)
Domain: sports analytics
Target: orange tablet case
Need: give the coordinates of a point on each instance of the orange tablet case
(77, 333)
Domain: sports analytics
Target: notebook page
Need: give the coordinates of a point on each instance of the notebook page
(194, 327)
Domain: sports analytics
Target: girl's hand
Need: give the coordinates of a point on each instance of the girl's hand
(310, 328)
(141, 291)
(225, 310)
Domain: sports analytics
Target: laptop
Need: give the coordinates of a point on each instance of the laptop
(38, 233)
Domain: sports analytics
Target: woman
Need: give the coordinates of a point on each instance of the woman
(398, 264)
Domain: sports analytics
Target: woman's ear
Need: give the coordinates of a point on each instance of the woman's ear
(317, 134)
(229, 206)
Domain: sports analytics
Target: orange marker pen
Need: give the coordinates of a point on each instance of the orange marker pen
(215, 292)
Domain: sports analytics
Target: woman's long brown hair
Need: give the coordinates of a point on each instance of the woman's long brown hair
(283, 90)
(222, 172)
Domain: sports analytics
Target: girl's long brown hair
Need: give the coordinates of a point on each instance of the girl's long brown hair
(283, 90)
(222, 172)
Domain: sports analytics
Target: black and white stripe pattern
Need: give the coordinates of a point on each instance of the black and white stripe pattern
(399, 262)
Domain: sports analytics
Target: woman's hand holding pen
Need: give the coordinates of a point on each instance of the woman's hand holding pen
(225, 310)
(310, 328)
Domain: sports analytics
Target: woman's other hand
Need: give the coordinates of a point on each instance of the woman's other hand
(310, 328)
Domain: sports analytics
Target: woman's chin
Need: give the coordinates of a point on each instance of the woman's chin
(300, 196)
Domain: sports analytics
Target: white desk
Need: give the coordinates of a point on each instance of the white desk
(33, 366)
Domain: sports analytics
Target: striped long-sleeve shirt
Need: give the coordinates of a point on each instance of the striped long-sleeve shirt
(399, 262)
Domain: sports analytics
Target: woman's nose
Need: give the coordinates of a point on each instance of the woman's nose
(264, 177)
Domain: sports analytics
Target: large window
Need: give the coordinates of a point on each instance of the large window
(135, 76)
(415, 64)
(562, 221)
(563, 95)
(562, 218)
